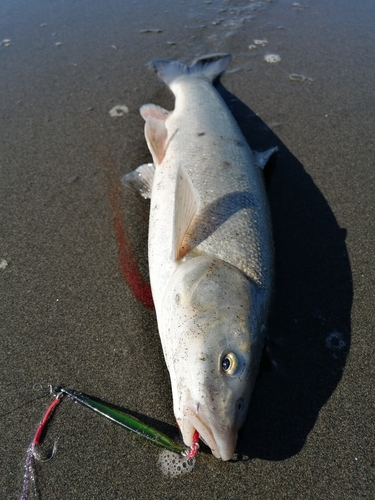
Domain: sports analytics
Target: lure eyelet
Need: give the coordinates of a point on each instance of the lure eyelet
(229, 363)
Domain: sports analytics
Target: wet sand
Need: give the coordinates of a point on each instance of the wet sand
(69, 317)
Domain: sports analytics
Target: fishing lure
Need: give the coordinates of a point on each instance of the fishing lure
(127, 421)
(124, 419)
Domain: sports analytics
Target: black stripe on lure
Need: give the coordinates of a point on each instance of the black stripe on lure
(124, 419)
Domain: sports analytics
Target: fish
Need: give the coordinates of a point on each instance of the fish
(210, 251)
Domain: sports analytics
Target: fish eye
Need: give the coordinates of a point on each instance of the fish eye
(229, 363)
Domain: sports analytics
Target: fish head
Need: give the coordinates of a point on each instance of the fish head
(213, 352)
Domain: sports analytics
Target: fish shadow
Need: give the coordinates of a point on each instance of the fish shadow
(308, 336)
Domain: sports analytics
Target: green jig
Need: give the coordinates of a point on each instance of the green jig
(123, 419)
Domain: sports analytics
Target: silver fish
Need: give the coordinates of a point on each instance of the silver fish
(210, 252)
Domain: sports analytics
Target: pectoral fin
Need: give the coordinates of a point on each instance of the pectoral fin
(156, 137)
(186, 207)
(141, 179)
(155, 111)
(155, 130)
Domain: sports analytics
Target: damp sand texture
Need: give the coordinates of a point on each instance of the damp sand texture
(68, 315)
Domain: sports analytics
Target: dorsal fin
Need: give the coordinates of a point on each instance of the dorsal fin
(186, 207)
(261, 157)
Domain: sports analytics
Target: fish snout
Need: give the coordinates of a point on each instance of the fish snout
(222, 441)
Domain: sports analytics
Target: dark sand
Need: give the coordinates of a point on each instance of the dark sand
(68, 316)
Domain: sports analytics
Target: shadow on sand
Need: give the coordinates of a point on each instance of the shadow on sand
(309, 324)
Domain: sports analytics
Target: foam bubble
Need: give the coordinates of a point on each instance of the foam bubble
(263, 43)
(118, 110)
(272, 58)
(173, 465)
(335, 341)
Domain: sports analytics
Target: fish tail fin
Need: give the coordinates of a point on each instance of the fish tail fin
(210, 66)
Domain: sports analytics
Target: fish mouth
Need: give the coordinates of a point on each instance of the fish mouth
(222, 444)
